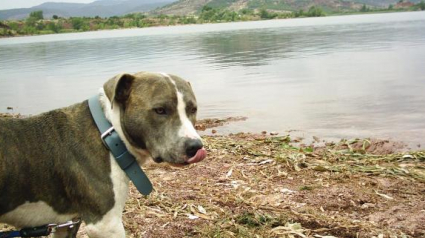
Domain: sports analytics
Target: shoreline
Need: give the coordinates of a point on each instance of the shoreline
(357, 145)
(210, 127)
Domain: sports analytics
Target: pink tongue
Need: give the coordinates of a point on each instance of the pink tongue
(200, 155)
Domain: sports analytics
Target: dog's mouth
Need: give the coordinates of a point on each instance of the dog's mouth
(200, 155)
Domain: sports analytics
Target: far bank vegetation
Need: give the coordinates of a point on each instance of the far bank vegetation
(37, 24)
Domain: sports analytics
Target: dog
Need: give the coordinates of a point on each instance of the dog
(54, 166)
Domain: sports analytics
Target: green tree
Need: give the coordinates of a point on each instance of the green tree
(206, 8)
(55, 17)
(163, 16)
(188, 20)
(39, 26)
(30, 30)
(208, 13)
(31, 21)
(14, 26)
(3, 32)
(114, 22)
(390, 7)
(230, 16)
(246, 11)
(53, 27)
(77, 23)
(364, 8)
(264, 14)
(315, 12)
(300, 13)
(38, 15)
(172, 22)
(422, 5)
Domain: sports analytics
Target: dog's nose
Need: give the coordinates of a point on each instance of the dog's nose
(192, 146)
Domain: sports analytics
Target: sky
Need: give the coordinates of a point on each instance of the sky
(10, 4)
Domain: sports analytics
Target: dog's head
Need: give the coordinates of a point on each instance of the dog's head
(156, 114)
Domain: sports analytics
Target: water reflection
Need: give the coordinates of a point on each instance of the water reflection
(260, 46)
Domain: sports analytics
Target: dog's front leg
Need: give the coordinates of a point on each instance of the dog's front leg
(110, 226)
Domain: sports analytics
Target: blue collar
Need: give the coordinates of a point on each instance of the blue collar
(116, 146)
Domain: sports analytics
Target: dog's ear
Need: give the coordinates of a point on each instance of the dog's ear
(118, 88)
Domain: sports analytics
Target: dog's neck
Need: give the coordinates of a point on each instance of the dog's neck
(113, 115)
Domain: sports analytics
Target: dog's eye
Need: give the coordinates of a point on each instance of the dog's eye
(160, 111)
(194, 110)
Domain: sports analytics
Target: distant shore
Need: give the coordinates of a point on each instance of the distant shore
(40, 26)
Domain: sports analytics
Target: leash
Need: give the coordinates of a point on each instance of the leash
(44, 230)
(116, 146)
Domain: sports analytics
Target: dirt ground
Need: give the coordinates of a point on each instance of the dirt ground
(258, 185)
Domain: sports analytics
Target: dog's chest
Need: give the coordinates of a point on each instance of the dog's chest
(34, 214)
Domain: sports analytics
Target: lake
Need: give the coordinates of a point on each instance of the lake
(333, 77)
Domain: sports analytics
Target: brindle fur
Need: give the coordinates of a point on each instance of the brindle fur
(54, 158)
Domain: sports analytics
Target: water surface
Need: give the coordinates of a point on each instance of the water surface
(334, 77)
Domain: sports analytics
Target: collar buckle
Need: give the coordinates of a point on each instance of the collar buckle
(106, 134)
(118, 149)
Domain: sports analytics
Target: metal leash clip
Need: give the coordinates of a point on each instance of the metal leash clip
(69, 224)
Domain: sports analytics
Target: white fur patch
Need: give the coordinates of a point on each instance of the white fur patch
(111, 223)
(34, 214)
(186, 129)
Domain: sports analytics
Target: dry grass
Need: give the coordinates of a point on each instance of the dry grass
(260, 186)
(267, 186)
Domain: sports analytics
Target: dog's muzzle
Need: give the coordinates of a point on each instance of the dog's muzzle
(195, 152)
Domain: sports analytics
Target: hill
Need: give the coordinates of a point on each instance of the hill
(102, 8)
(185, 7)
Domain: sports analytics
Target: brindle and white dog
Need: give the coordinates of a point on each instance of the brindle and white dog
(54, 167)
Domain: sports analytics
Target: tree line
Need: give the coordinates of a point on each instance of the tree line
(36, 23)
